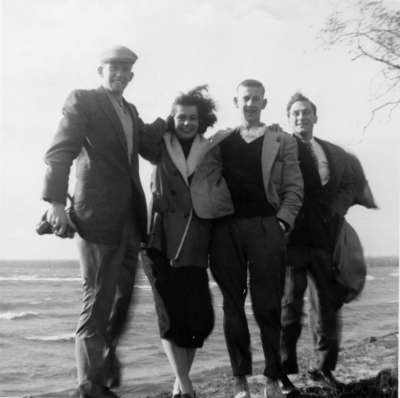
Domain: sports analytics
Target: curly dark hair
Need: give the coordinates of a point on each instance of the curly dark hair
(298, 96)
(205, 105)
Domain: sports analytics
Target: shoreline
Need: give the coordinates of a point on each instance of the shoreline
(368, 368)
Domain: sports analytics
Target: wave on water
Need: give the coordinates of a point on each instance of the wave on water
(370, 278)
(37, 278)
(53, 338)
(10, 315)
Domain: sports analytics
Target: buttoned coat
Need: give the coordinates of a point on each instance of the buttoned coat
(178, 227)
(107, 188)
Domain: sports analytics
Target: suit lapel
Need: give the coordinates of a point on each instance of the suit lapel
(271, 144)
(176, 154)
(335, 166)
(109, 110)
(186, 166)
(199, 148)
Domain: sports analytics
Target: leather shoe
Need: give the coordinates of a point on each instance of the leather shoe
(326, 378)
(91, 390)
(273, 390)
(188, 395)
(241, 387)
(288, 388)
(114, 369)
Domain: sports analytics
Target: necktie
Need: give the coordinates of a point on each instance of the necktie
(311, 152)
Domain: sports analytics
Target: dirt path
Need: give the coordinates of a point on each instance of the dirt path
(369, 370)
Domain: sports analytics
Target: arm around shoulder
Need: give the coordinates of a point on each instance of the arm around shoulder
(210, 194)
(150, 138)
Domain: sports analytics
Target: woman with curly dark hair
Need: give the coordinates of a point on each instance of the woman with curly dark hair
(179, 238)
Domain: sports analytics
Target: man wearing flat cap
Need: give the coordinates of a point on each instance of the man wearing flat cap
(103, 133)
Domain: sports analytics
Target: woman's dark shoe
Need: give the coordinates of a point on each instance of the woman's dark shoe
(288, 388)
(91, 390)
(176, 390)
(189, 395)
(113, 366)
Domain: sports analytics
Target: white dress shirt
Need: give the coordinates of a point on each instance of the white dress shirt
(323, 165)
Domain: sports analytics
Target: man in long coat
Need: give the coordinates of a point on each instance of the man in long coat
(329, 190)
(103, 133)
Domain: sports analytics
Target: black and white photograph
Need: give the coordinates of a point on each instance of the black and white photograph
(199, 198)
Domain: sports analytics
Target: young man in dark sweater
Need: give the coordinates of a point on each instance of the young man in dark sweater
(261, 170)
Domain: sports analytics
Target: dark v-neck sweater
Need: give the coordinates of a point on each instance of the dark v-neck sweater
(243, 174)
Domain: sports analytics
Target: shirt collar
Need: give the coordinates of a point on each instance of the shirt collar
(251, 133)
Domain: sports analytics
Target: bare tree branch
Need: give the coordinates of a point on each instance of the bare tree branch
(377, 109)
(372, 31)
(387, 90)
(393, 108)
(379, 43)
(378, 59)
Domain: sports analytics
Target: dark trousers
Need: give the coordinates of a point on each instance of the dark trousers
(315, 266)
(255, 246)
(108, 274)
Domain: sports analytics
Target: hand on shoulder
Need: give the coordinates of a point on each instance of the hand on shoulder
(275, 127)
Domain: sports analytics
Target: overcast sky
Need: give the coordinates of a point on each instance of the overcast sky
(50, 47)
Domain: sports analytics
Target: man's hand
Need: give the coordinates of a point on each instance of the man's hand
(57, 218)
(276, 128)
(227, 130)
(282, 225)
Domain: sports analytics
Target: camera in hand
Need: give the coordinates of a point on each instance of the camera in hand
(45, 228)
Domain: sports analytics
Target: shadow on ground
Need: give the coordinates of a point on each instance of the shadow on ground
(384, 385)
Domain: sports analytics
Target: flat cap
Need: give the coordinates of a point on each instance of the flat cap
(118, 53)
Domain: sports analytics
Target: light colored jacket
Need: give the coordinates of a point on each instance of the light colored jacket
(177, 227)
(283, 182)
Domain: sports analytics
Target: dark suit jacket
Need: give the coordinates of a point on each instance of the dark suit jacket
(108, 188)
(364, 196)
(320, 218)
(342, 180)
